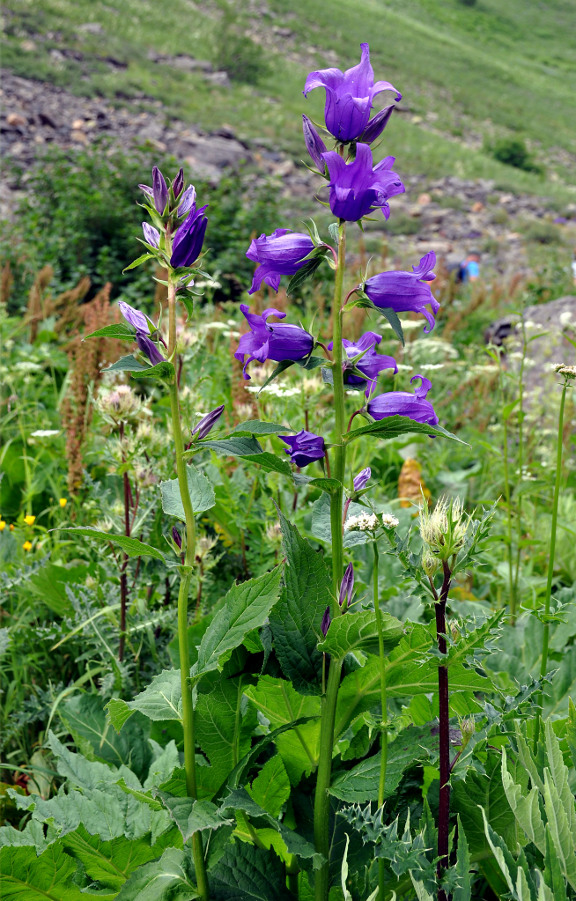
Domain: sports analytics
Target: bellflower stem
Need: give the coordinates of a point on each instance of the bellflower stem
(384, 704)
(551, 555)
(183, 593)
(322, 798)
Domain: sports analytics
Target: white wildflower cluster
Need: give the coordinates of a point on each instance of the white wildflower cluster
(389, 521)
(275, 390)
(362, 522)
(45, 433)
(567, 371)
(566, 318)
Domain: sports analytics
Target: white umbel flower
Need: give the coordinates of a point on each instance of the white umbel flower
(363, 522)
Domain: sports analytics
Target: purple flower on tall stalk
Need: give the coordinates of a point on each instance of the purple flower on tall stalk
(371, 363)
(349, 96)
(304, 448)
(189, 238)
(347, 588)
(208, 422)
(406, 291)
(283, 252)
(138, 320)
(187, 201)
(361, 480)
(402, 403)
(314, 143)
(357, 188)
(271, 342)
(151, 234)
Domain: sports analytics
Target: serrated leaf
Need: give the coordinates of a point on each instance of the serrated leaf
(358, 631)
(271, 787)
(481, 792)
(48, 877)
(246, 873)
(554, 872)
(192, 816)
(160, 700)
(131, 546)
(296, 619)
(201, 494)
(171, 878)
(393, 426)
(330, 486)
(305, 272)
(116, 330)
(110, 863)
(526, 807)
(223, 732)
(245, 607)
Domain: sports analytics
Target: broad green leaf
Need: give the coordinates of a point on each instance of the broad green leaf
(201, 494)
(192, 816)
(86, 719)
(296, 620)
(160, 700)
(269, 462)
(463, 890)
(127, 364)
(321, 523)
(110, 863)
(520, 888)
(358, 631)
(481, 794)
(116, 330)
(222, 732)
(361, 783)
(257, 427)
(84, 774)
(281, 704)
(171, 878)
(32, 835)
(246, 873)
(393, 426)
(238, 446)
(245, 607)
(49, 877)
(163, 370)
(131, 546)
(330, 486)
(271, 787)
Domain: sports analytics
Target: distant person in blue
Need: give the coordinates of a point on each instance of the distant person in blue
(469, 270)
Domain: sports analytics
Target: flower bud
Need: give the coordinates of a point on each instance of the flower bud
(314, 143)
(429, 564)
(361, 480)
(208, 422)
(178, 184)
(326, 620)
(159, 189)
(151, 234)
(347, 588)
(177, 537)
(467, 728)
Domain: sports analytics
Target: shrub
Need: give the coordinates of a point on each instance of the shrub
(513, 152)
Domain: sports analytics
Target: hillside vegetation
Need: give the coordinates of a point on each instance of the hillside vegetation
(471, 76)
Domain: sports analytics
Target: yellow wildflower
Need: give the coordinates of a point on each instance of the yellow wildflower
(63, 501)
(27, 546)
(29, 520)
(2, 525)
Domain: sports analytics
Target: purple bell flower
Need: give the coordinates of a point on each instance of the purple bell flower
(361, 480)
(347, 587)
(371, 363)
(304, 448)
(357, 188)
(271, 342)
(376, 125)
(406, 291)
(208, 422)
(349, 96)
(151, 234)
(402, 403)
(314, 143)
(159, 190)
(282, 253)
(189, 238)
(138, 320)
(149, 349)
(326, 620)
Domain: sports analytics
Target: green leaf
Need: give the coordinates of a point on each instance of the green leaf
(131, 546)
(525, 806)
(394, 321)
(271, 787)
(360, 784)
(463, 890)
(257, 427)
(334, 232)
(160, 700)
(82, 773)
(562, 826)
(554, 872)
(358, 631)
(246, 873)
(171, 878)
(269, 462)
(127, 364)
(201, 494)
(239, 446)
(117, 330)
(304, 273)
(191, 816)
(393, 426)
(282, 705)
(515, 877)
(139, 261)
(321, 523)
(110, 863)
(49, 877)
(483, 794)
(222, 731)
(245, 607)
(330, 486)
(296, 620)
(163, 370)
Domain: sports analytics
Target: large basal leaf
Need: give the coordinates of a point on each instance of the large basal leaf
(223, 732)
(110, 863)
(201, 494)
(361, 783)
(282, 705)
(393, 426)
(246, 873)
(131, 546)
(82, 773)
(296, 619)
(358, 631)
(271, 787)
(192, 816)
(160, 700)
(49, 877)
(86, 720)
(245, 607)
(171, 878)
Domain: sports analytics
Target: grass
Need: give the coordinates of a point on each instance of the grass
(468, 74)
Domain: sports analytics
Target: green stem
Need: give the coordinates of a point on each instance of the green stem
(384, 704)
(507, 493)
(183, 594)
(546, 633)
(322, 798)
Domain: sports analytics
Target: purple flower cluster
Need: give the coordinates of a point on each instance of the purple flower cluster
(175, 206)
